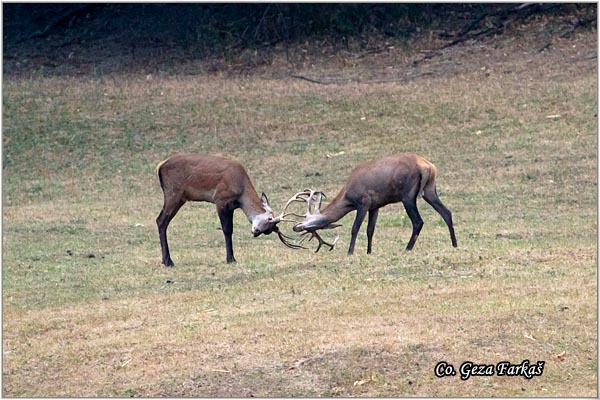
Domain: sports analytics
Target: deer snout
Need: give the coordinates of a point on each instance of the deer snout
(298, 228)
(257, 232)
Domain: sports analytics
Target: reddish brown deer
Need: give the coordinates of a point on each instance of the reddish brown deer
(372, 185)
(218, 180)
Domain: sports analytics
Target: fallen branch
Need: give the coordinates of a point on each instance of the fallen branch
(310, 80)
(372, 81)
(500, 19)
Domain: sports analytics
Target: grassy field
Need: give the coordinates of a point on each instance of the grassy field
(89, 311)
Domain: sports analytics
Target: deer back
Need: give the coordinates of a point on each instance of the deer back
(204, 177)
(387, 180)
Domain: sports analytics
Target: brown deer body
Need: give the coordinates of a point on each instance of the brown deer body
(372, 185)
(214, 179)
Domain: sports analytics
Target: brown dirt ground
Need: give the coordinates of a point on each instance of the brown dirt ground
(93, 49)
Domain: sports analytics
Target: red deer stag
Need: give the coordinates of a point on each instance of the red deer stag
(218, 180)
(372, 185)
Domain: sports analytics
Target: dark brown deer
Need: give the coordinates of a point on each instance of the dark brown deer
(218, 180)
(372, 185)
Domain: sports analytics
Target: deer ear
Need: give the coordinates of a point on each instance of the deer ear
(265, 200)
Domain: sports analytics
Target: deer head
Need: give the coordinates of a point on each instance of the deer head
(264, 223)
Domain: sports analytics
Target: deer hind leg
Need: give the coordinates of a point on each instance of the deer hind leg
(361, 213)
(415, 218)
(226, 217)
(431, 197)
(371, 228)
(169, 210)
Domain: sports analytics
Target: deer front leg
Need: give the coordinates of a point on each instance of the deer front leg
(361, 213)
(226, 217)
(167, 213)
(371, 228)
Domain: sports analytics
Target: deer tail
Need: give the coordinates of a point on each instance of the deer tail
(157, 171)
(424, 181)
(160, 164)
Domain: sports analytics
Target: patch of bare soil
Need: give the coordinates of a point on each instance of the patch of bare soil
(329, 374)
(519, 46)
(89, 41)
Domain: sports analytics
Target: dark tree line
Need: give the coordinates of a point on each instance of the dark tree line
(207, 26)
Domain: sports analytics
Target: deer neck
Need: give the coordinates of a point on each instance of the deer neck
(251, 204)
(337, 209)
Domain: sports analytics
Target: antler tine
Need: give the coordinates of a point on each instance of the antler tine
(321, 241)
(286, 240)
(304, 197)
(309, 199)
(310, 193)
(320, 196)
(294, 198)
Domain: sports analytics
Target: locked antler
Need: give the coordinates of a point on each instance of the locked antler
(298, 197)
(286, 240)
(314, 199)
(314, 234)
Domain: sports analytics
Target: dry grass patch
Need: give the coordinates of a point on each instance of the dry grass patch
(313, 330)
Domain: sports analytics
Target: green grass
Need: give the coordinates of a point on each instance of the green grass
(89, 311)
